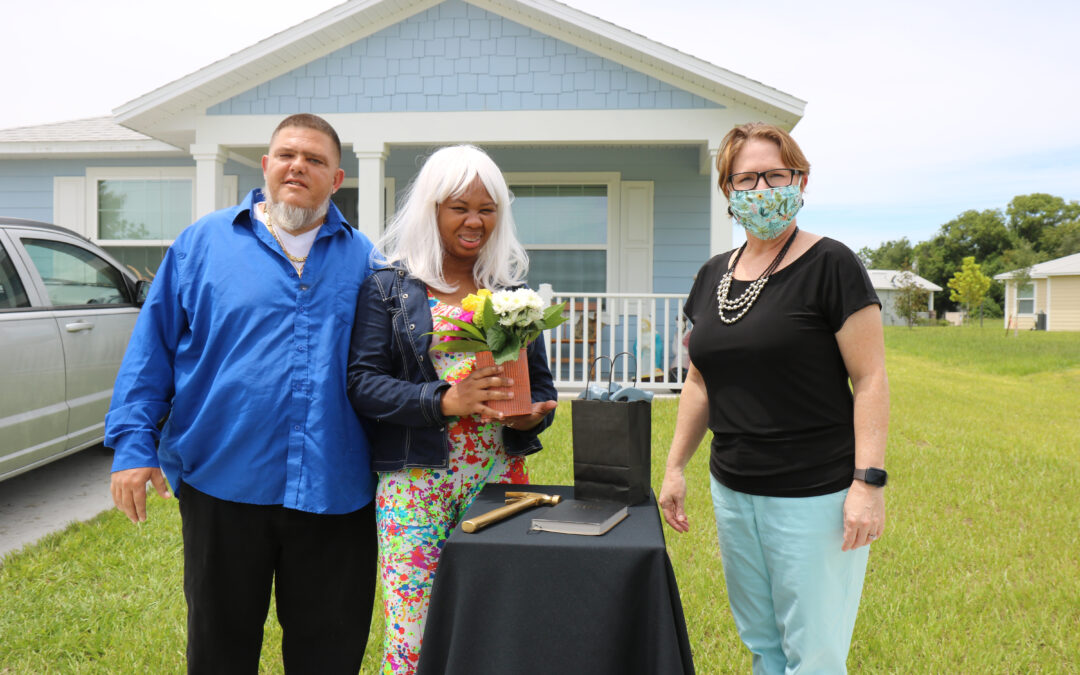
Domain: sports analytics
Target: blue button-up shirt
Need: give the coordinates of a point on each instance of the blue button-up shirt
(245, 361)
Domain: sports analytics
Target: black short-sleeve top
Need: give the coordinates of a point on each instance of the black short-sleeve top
(780, 405)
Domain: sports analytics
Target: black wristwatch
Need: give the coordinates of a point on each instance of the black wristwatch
(872, 476)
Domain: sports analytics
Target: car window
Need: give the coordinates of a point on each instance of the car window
(75, 276)
(12, 293)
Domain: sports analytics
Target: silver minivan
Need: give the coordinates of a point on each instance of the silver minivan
(66, 312)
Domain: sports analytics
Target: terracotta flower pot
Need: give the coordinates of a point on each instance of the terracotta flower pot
(518, 371)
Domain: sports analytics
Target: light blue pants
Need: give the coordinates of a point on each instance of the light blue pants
(793, 592)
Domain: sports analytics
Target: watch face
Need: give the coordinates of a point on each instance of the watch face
(876, 477)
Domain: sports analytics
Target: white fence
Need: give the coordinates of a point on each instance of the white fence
(648, 327)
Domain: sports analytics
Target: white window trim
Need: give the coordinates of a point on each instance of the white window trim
(95, 174)
(1047, 310)
(610, 179)
(1034, 299)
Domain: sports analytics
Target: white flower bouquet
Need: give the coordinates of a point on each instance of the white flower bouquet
(502, 322)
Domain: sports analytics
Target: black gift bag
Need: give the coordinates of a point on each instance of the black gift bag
(612, 445)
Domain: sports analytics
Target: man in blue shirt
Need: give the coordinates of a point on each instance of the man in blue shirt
(233, 388)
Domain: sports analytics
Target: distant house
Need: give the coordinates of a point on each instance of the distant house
(887, 284)
(607, 138)
(1054, 291)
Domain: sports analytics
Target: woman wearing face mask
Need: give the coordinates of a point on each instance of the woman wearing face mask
(781, 326)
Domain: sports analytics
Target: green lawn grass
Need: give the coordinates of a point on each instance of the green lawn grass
(978, 570)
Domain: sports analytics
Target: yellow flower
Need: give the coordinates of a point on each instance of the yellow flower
(471, 303)
(475, 302)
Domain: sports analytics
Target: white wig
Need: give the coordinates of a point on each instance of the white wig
(412, 238)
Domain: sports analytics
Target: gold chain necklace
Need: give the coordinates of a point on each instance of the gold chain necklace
(290, 256)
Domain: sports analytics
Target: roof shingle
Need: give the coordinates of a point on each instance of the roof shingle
(90, 129)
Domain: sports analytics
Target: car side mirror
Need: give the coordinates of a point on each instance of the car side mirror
(142, 289)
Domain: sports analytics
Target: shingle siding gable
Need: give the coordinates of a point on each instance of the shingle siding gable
(456, 57)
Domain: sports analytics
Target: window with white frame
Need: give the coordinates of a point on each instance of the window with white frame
(565, 224)
(1025, 299)
(135, 213)
(142, 210)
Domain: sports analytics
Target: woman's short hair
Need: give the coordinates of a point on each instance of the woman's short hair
(790, 153)
(412, 239)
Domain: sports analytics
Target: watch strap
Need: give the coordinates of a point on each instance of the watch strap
(871, 476)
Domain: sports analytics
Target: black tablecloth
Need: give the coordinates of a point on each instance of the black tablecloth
(509, 601)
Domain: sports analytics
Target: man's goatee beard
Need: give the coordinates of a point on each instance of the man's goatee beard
(294, 218)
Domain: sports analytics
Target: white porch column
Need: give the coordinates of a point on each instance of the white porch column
(209, 177)
(371, 190)
(719, 220)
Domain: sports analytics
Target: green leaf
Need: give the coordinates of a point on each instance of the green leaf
(488, 318)
(465, 326)
(496, 337)
(460, 346)
(508, 352)
(553, 316)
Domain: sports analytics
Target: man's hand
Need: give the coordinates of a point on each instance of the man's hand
(128, 489)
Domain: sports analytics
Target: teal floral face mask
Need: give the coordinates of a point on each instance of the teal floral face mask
(766, 213)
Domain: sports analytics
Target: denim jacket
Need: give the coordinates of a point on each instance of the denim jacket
(393, 385)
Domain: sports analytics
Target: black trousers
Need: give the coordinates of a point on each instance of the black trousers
(323, 570)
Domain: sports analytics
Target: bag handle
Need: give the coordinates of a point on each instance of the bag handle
(611, 376)
(615, 360)
(592, 370)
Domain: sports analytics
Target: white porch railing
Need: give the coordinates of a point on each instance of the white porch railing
(648, 326)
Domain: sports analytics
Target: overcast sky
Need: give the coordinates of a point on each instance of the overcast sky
(916, 111)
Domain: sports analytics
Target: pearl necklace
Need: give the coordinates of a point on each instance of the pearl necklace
(745, 301)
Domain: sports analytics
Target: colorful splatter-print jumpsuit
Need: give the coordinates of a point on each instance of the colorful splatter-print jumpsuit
(417, 509)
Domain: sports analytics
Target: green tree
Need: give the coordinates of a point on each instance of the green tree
(892, 255)
(1030, 217)
(979, 234)
(1048, 223)
(911, 298)
(969, 285)
(1061, 240)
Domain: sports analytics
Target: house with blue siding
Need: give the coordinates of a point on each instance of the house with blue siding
(607, 139)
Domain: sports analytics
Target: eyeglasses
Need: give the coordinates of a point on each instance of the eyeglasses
(748, 180)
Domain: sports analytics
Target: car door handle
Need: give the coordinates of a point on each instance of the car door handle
(77, 326)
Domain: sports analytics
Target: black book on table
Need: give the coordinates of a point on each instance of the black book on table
(575, 516)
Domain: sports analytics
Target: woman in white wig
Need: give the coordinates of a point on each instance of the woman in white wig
(435, 442)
